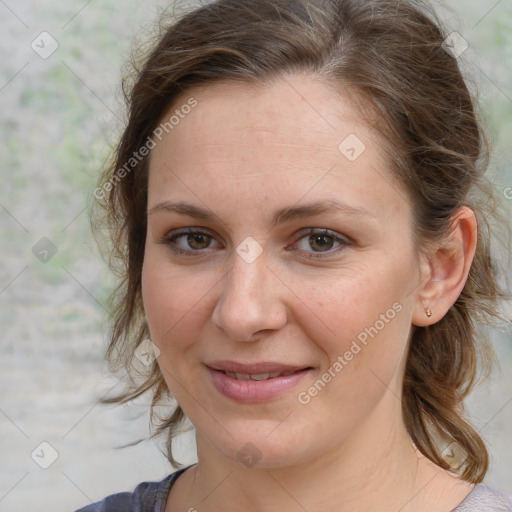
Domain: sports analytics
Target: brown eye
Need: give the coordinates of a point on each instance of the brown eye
(321, 242)
(188, 242)
(318, 241)
(198, 240)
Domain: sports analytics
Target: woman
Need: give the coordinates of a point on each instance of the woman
(300, 202)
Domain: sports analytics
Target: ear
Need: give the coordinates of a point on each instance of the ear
(446, 269)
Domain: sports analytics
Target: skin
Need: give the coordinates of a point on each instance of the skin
(244, 152)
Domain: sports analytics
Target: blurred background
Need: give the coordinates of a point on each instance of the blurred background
(61, 111)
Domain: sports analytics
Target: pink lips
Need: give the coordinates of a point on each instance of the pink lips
(250, 391)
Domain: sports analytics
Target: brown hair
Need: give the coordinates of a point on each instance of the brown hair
(391, 55)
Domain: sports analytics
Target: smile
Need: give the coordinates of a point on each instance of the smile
(258, 376)
(245, 387)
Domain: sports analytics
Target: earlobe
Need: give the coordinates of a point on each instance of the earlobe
(448, 269)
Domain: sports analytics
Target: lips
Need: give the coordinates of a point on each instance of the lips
(257, 376)
(255, 368)
(254, 382)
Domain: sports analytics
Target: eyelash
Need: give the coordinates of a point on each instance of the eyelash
(169, 240)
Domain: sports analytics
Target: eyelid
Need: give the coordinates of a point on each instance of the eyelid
(324, 231)
(169, 238)
(343, 240)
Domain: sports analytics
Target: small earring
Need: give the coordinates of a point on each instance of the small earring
(428, 312)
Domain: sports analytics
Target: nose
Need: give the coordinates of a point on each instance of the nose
(250, 302)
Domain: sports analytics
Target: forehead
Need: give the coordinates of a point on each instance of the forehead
(294, 134)
(294, 110)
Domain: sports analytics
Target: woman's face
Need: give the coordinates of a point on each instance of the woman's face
(302, 261)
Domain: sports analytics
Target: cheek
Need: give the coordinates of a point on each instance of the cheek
(171, 298)
(368, 324)
(360, 320)
(174, 305)
(345, 304)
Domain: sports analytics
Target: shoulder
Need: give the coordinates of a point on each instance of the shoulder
(485, 499)
(147, 497)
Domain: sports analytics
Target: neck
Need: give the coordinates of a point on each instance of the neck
(376, 468)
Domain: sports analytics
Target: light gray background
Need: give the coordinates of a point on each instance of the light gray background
(59, 116)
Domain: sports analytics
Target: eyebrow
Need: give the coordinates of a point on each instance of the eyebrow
(280, 216)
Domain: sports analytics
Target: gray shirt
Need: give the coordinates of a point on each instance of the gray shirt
(152, 496)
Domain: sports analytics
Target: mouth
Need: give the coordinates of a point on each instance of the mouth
(262, 367)
(261, 376)
(256, 382)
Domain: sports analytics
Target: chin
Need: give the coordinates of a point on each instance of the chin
(260, 450)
